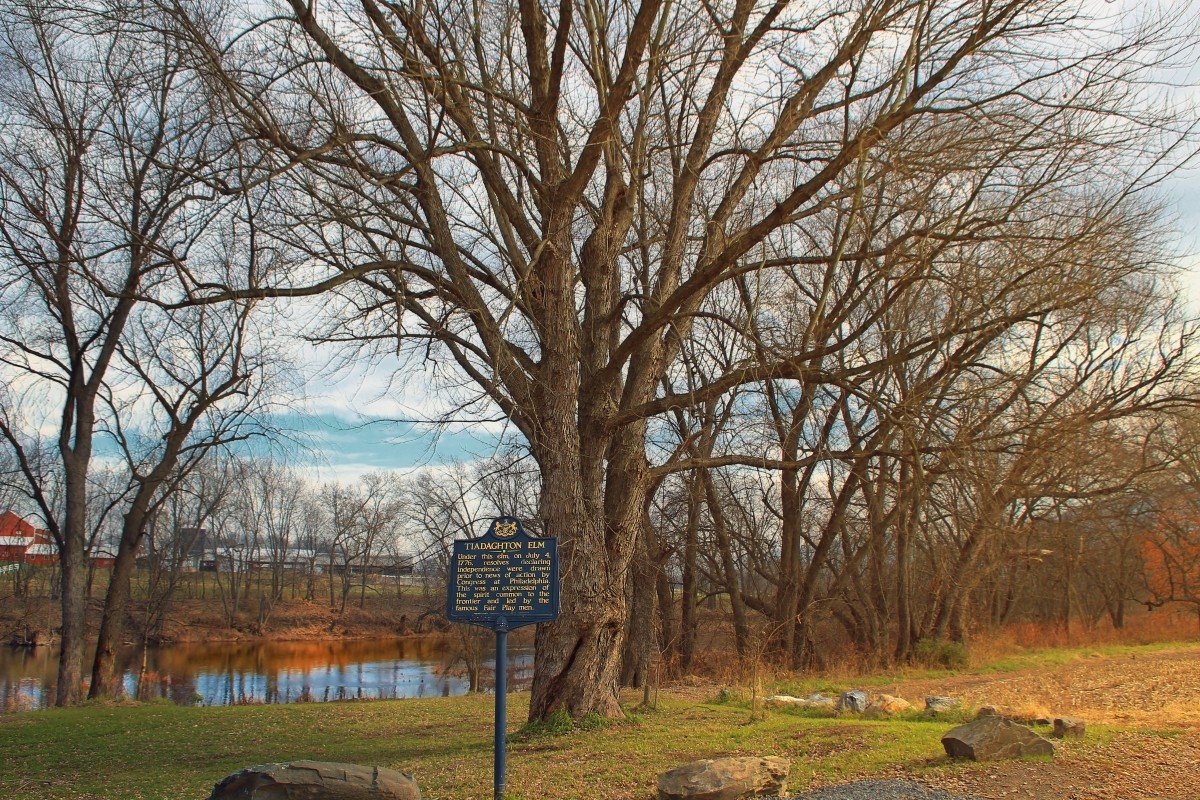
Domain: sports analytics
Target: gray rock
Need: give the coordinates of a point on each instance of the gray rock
(812, 701)
(855, 700)
(316, 780)
(991, 737)
(878, 790)
(727, 778)
(937, 704)
(820, 701)
(1069, 728)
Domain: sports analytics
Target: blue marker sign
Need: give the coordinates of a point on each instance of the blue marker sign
(503, 580)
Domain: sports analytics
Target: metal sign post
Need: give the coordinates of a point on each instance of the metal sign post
(503, 580)
(500, 746)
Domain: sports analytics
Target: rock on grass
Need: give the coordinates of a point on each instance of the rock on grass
(729, 778)
(316, 780)
(990, 738)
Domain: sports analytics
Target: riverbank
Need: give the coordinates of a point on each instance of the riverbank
(160, 751)
(209, 620)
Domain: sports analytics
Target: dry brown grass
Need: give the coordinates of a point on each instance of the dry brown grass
(1169, 624)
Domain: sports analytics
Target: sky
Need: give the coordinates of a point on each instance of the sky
(351, 421)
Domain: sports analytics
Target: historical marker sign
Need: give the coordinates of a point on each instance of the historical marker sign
(504, 579)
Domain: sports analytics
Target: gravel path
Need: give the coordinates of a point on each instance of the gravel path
(879, 790)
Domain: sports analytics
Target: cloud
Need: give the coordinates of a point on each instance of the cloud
(328, 446)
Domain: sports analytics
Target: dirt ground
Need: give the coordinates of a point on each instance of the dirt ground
(1133, 766)
(1153, 699)
(1151, 689)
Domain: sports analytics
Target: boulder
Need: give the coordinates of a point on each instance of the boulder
(820, 701)
(854, 700)
(812, 701)
(993, 737)
(885, 705)
(1069, 728)
(937, 704)
(727, 778)
(316, 780)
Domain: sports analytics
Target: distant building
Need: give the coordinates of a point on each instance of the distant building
(209, 554)
(43, 552)
(21, 543)
(15, 537)
(102, 559)
(194, 544)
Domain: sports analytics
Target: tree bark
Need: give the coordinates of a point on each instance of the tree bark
(112, 625)
(73, 560)
(639, 630)
(687, 600)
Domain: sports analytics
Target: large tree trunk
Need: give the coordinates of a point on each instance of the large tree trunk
(594, 513)
(579, 654)
(112, 626)
(787, 596)
(116, 603)
(73, 563)
(74, 608)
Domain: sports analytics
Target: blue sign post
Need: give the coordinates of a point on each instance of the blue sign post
(503, 580)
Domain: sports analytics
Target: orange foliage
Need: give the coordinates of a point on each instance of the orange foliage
(1171, 554)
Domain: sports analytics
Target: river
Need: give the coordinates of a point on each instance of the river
(233, 673)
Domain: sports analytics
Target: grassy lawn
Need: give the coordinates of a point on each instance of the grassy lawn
(163, 751)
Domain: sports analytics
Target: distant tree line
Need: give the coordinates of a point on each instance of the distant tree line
(860, 315)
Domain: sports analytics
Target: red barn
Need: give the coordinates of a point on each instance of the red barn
(20, 542)
(16, 535)
(42, 551)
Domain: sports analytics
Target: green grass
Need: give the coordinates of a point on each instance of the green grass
(139, 752)
(163, 751)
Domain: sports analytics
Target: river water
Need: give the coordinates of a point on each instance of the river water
(231, 673)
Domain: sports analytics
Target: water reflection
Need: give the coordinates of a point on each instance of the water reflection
(231, 673)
